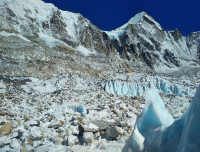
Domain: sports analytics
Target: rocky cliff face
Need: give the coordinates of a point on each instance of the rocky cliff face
(142, 38)
(193, 43)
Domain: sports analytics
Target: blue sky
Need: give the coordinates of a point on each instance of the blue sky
(111, 14)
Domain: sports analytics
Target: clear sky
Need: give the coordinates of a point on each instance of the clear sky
(111, 14)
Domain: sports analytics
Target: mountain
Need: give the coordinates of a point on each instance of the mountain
(141, 38)
(66, 85)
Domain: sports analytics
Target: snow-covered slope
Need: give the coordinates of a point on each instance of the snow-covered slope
(36, 19)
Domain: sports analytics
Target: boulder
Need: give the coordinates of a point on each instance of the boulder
(5, 129)
(23, 149)
(70, 140)
(14, 144)
(88, 137)
(56, 124)
(36, 135)
(114, 131)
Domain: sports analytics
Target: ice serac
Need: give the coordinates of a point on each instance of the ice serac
(182, 135)
(153, 117)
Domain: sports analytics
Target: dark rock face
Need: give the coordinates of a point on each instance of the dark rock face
(176, 34)
(149, 58)
(136, 42)
(169, 56)
(193, 43)
(92, 37)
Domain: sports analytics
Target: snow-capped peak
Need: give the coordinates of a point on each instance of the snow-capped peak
(133, 20)
(114, 34)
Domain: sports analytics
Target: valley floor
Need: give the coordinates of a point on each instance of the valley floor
(73, 112)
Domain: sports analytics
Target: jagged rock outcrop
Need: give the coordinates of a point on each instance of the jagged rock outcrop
(193, 43)
(142, 38)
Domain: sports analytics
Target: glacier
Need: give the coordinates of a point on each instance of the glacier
(156, 130)
(118, 87)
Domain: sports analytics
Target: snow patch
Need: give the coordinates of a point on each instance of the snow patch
(13, 34)
(85, 51)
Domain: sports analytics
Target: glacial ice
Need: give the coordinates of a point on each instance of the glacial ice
(156, 131)
(125, 88)
(76, 108)
(154, 116)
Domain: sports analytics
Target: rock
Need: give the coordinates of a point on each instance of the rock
(36, 135)
(14, 144)
(42, 149)
(35, 144)
(102, 124)
(61, 129)
(114, 131)
(23, 149)
(88, 137)
(56, 124)
(74, 130)
(2, 144)
(29, 147)
(71, 140)
(3, 120)
(123, 124)
(102, 133)
(76, 122)
(32, 123)
(14, 135)
(2, 113)
(97, 134)
(14, 124)
(90, 128)
(10, 114)
(6, 129)
(57, 140)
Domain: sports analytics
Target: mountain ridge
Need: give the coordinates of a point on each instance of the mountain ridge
(140, 39)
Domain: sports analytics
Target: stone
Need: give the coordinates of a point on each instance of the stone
(36, 135)
(5, 129)
(32, 123)
(10, 114)
(90, 127)
(14, 144)
(74, 130)
(76, 122)
(97, 134)
(88, 137)
(23, 149)
(114, 131)
(2, 144)
(2, 113)
(61, 129)
(42, 149)
(56, 124)
(70, 140)
(102, 124)
(29, 147)
(57, 140)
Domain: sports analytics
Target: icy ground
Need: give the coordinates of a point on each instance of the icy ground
(74, 112)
